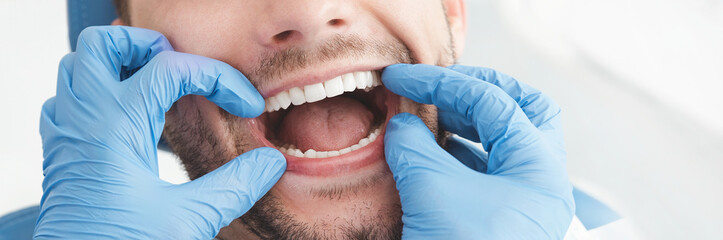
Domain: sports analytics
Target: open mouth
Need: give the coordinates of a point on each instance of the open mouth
(329, 127)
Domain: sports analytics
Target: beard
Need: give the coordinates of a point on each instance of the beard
(204, 144)
(268, 219)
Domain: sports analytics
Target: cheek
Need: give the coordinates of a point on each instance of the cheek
(217, 125)
(196, 134)
(214, 29)
(428, 113)
(421, 26)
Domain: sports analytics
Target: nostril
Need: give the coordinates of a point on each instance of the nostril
(335, 22)
(282, 36)
(292, 35)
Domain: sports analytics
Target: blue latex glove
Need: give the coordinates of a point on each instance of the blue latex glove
(519, 191)
(100, 134)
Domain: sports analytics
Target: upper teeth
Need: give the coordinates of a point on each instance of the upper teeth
(315, 92)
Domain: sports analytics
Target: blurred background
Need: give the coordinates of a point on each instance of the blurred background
(640, 83)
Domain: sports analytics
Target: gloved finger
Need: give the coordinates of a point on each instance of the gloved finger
(171, 75)
(542, 111)
(423, 173)
(108, 54)
(474, 160)
(538, 107)
(516, 147)
(63, 90)
(456, 123)
(47, 123)
(486, 107)
(412, 152)
(228, 192)
(49, 115)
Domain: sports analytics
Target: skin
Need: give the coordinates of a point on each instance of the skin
(250, 35)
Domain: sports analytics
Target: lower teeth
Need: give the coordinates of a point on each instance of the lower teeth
(290, 149)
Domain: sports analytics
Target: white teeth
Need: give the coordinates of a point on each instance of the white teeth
(376, 79)
(296, 152)
(291, 150)
(369, 79)
(314, 92)
(372, 137)
(355, 147)
(333, 153)
(268, 106)
(297, 96)
(311, 153)
(334, 87)
(348, 82)
(361, 80)
(284, 99)
(274, 103)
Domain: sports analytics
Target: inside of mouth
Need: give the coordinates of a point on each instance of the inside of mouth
(340, 123)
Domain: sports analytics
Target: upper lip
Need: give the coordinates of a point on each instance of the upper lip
(299, 79)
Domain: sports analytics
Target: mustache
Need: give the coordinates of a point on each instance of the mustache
(274, 65)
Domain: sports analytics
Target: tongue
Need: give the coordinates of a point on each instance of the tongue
(327, 125)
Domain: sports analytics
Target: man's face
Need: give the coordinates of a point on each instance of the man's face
(337, 184)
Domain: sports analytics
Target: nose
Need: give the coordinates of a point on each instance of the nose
(288, 22)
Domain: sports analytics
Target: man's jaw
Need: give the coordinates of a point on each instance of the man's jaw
(343, 145)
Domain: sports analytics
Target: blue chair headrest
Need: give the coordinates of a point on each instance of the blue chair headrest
(86, 13)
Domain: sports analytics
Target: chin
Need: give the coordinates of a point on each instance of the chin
(364, 206)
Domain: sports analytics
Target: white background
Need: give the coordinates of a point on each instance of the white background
(640, 83)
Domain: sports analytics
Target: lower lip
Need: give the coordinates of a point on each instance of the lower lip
(342, 164)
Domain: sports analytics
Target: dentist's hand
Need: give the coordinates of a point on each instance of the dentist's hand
(100, 134)
(521, 191)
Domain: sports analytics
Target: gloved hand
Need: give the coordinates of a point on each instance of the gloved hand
(521, 191)
(100, 134)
